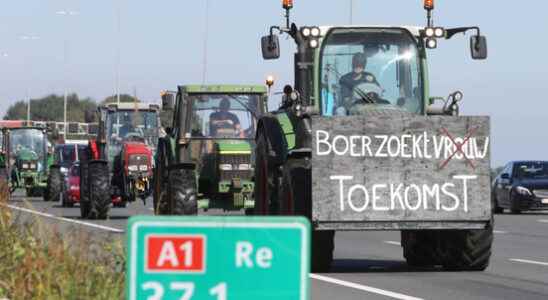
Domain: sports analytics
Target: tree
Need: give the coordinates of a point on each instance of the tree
(50, 108)
(123, 98)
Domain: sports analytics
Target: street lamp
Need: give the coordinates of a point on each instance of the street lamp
(27, 96)
(65, 13)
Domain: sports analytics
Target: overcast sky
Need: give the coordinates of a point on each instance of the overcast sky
(163, 42)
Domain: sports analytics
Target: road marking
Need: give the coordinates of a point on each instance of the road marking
(392, 243)
(543, 221)
(525, 261)
(499, 231)
(111, 229)
(363, 287)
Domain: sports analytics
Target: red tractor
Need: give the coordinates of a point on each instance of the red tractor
(120, 161)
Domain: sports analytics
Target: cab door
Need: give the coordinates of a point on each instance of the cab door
(504, 185)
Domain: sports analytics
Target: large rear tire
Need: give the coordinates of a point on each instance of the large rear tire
(99, 190)
(55, 184)
(160, 195)
(468, 250)
(182, 191)
(85, 205)
(266, 180)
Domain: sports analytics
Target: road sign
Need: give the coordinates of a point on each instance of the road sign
(218, 258)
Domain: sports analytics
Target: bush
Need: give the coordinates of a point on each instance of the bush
(37, 263)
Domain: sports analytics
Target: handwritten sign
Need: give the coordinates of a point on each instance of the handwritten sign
(400, 167)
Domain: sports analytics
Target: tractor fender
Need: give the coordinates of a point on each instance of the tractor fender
(277, 143)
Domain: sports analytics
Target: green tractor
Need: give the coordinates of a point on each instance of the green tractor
(204, 161)
(353, 80)
(27, 159)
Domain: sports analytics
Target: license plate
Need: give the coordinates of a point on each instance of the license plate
(544, 201)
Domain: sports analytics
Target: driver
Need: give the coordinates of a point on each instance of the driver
(357, 76)
(224, 119)
(127, 126)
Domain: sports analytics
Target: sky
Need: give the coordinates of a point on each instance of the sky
(162, 46)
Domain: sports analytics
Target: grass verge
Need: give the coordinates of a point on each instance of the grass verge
(38, 263)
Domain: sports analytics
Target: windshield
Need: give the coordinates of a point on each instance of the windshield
(28, 140)
(131, 124)
(224, 115)
(531, 170)
(370, 67)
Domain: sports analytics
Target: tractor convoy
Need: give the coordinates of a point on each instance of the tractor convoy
(357, 143)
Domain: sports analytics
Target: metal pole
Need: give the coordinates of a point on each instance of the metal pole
(66, 89)
(206, 36)
(118, 54)
(28, 106)
(351, 12)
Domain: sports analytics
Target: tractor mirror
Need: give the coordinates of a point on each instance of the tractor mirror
(478, 47)
(168, 101)
(270, 45)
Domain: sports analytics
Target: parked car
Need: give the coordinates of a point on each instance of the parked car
(71, 194)
(522, 185)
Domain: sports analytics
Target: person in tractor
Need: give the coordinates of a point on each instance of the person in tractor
(127, 126)
(223, 120)
(357, 76)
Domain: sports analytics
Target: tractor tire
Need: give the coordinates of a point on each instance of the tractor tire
(55, 185)
(182, 192)
(85, 205)
(160, 195)
(467, 250)
(99, 190)
(266, 180)
(420, 247)
(323, 245)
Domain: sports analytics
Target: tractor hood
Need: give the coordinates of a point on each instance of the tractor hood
(234, 147)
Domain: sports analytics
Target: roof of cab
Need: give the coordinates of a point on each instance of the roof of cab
(236, 89)
(132, 106)
(415, 30)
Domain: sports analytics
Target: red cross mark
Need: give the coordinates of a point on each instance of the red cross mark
(459, 147)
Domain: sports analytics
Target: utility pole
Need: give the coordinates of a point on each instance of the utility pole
(118, 51)
(206, 36)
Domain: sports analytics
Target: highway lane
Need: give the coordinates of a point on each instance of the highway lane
(369, 265)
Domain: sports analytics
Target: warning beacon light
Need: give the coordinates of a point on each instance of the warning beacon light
(428, 4)
(287, 4)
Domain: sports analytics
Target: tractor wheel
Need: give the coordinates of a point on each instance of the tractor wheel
(420, 247)
(467, 250)
(160, 195)
(323, 245)
(99, 190)
(266, 180)
(85, 205)
(55, 185)
(182, 192)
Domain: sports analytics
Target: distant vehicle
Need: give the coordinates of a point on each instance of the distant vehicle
(71, 193)
(522, 185)
(65, 155)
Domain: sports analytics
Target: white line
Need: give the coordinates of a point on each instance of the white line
(112, 229)
(392, 243)
(525, 261)
(363, 288)
(499, 231)
(543, 221)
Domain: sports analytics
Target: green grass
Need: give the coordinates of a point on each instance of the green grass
(36, 262)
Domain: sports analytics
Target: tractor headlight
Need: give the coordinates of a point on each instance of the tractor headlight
(33, 166)
(133, 168)
(315, 31)
(305, 31)
(314, 43)
(523, 191)
(25, 166)
(439, 32)
(143, 168)
(431, 43)
(225, 167)
(429, 32)
(244, 167)
(64, 170)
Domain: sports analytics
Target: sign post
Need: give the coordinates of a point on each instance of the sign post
(218, 258)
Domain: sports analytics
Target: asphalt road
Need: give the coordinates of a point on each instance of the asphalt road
(369, 265)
